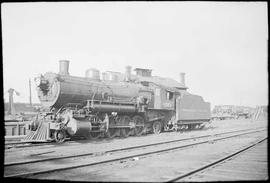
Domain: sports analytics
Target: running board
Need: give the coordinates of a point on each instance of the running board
(190, 122)
(155, 119)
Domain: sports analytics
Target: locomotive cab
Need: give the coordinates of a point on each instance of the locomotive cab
(164, 98)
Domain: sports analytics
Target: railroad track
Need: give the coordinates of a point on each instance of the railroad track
(124, 149)
(215, 163)
(22, 144)
(36, 167)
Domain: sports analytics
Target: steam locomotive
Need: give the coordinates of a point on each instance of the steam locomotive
(119, 104)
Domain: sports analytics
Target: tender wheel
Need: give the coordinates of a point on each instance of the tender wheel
(157, 127)
(125, 132)
(59, 136)
(138, 120)
(112, 132)
(202, 126)
(191, 126)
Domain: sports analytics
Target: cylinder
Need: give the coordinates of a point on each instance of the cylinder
(182, 78)
(128, 73)
(63, 67)
(78, 127)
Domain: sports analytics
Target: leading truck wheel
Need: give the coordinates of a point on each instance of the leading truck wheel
(157, 126)
(59, 136)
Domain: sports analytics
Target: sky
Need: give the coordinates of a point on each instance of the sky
(221, 46)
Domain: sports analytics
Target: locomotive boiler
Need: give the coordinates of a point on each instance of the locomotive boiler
(119, 104)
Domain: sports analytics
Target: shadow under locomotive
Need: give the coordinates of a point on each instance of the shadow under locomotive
(119, 105)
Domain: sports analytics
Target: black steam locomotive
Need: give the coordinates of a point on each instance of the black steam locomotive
(116, 105)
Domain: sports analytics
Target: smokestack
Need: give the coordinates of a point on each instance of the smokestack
(63, 67)
(182, 78)
(30, 98)
(128, 73)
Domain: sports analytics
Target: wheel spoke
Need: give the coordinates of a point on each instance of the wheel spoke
(139, 122)
(125, 132)
(95, 131)
(59, 136)
(112, 132)
(95, 135)
(157, 127)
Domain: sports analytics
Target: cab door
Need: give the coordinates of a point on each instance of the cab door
(157, 103)
(164, 99)
(168, 100)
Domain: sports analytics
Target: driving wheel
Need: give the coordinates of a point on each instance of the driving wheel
(139, 122)
(157, 126)
(125, 132)
(112, 132)
(95, 135)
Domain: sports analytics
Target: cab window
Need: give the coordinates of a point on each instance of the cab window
(169, 95)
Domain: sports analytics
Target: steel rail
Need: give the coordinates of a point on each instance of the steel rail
(26, 144)
(221, 160)
(123, 149)
(126, 157)
(33, 143)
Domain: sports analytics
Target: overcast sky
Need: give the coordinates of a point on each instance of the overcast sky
(221, 46)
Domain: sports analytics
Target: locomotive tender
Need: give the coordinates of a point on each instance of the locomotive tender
(117, 105)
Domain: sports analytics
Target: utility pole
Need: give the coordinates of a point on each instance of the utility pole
(11, 108)
(30, 98)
